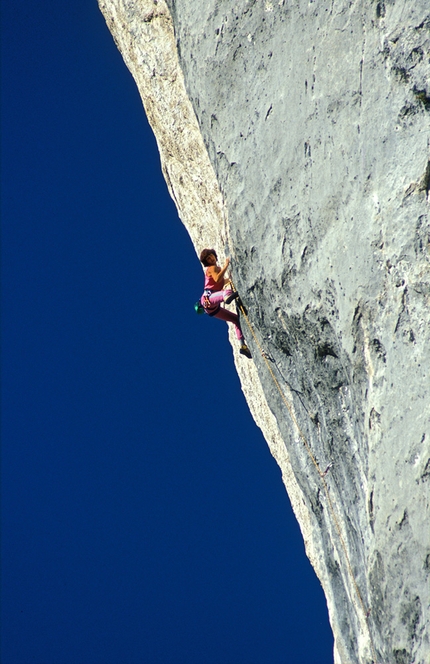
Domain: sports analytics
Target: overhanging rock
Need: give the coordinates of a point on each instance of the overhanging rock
(295, 138)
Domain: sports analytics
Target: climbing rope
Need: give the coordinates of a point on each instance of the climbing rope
(321, 473)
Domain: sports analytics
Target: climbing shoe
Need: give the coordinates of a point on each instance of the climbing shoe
(244, 350)
(229, 299)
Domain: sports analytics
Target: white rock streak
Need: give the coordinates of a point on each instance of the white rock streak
(322, 156)
(143, 32)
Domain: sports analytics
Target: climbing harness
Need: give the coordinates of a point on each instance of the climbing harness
(321, 473)
(206, 306)
(206, 298)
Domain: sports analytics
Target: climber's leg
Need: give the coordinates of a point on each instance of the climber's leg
(230, 317)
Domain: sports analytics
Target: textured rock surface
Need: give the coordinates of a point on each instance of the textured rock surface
(312, 120)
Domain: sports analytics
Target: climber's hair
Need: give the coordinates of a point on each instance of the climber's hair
(205, 253)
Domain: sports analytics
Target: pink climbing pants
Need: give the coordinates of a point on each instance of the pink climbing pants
(217, 311)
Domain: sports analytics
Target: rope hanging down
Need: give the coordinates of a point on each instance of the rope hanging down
(321, 473)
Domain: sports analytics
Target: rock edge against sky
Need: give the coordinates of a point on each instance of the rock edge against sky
(295, 138)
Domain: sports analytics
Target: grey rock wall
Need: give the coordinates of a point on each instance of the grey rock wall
(314, 119)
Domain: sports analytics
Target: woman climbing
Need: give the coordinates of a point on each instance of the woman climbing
(217, 291)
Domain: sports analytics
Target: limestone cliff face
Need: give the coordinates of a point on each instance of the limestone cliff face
(294, 136)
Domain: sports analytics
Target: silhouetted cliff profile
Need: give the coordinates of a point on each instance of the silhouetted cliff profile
(295, 138)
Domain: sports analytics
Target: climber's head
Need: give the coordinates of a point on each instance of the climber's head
(205, 254)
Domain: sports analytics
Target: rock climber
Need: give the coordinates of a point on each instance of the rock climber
(218, 290)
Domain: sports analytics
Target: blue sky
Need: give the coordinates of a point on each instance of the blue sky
(144, 520)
